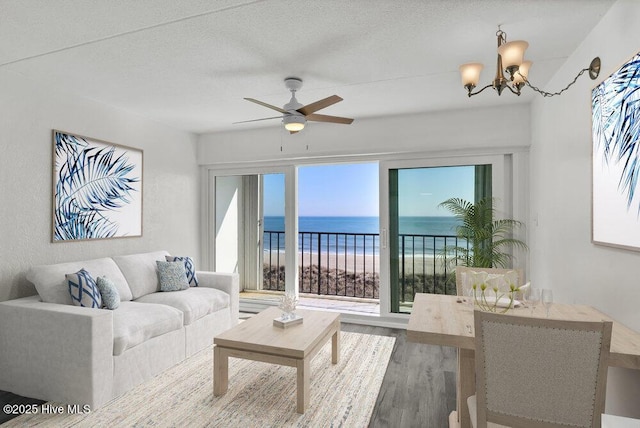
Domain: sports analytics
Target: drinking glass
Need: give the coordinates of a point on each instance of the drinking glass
(547, 299)
(534, 298)
(469, 298)
(524, 297)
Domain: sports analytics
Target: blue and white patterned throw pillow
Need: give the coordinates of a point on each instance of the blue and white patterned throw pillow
(189, 267)
(172, 276)
(108, 292)
(83, 289)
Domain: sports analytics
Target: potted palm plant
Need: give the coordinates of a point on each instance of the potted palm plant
(488, 240)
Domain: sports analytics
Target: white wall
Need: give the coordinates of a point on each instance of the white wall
(28, 113)
(562, 255)
(439, 132)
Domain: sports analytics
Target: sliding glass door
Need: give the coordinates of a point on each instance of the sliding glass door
(251, 228)
(335, 254)
(418, 233)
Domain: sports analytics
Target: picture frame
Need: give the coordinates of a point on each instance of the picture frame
(615, 106)
(97, 189)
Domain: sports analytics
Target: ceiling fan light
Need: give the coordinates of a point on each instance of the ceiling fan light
(294, 126)
(470, 74)
(294, 122)
(512, 53)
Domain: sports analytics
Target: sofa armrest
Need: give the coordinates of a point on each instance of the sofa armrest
(227, 282)
(56, 352)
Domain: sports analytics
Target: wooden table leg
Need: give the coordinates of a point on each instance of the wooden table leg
(466, 384)
(220, 371)
(335, 347)
(303, 380)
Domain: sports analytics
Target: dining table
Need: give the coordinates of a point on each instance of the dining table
(447, 320)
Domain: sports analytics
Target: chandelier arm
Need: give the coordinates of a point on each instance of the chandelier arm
(470, 94)
(512, 91)
(551, 94)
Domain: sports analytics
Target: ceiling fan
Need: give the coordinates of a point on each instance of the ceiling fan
(295, 115)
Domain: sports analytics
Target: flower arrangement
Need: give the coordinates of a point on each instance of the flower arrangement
(493, 292)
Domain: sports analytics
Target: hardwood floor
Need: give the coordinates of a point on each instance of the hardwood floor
(418, 390)
(419, 387)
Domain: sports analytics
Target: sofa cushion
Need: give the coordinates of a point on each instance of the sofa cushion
(135, 322)
(83, 290)
(52, 287)
(141, 272)
(194, 303)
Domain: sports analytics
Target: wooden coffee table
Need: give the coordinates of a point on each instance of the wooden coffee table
(259, 340)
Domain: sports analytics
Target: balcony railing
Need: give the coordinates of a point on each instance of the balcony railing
(348, 264)
(423, 266)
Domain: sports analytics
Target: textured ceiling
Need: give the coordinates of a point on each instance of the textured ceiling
(190, 63)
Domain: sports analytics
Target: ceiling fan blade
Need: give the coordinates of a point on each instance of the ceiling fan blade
(257, 120)
(318, 105)
(266, 105)
(332, 119)
(293, 132)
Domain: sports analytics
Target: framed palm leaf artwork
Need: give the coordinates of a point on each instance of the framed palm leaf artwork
(615, 105)
(97, 189)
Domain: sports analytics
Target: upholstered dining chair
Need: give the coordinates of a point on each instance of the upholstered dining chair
(462, 271)
(533, 372)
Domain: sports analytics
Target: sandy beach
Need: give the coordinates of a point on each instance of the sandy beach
(355, 275)
(361, 263)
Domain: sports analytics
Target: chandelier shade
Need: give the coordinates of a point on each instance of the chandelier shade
(471, 73)
(512, 54)
(523, 72)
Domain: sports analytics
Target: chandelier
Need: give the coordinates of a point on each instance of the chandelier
(511, 60)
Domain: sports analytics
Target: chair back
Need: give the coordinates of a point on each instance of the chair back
(533, 372)
(462, 272)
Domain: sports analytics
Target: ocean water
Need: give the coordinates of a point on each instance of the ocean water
(360, 234)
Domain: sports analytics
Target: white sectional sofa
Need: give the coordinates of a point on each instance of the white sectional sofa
(55, 351)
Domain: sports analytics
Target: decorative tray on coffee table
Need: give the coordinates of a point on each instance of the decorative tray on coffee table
(279, 322)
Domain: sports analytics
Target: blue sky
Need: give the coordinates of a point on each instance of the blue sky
(421, 190)
(352, 190)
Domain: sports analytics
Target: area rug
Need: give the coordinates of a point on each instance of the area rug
(259, 394)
